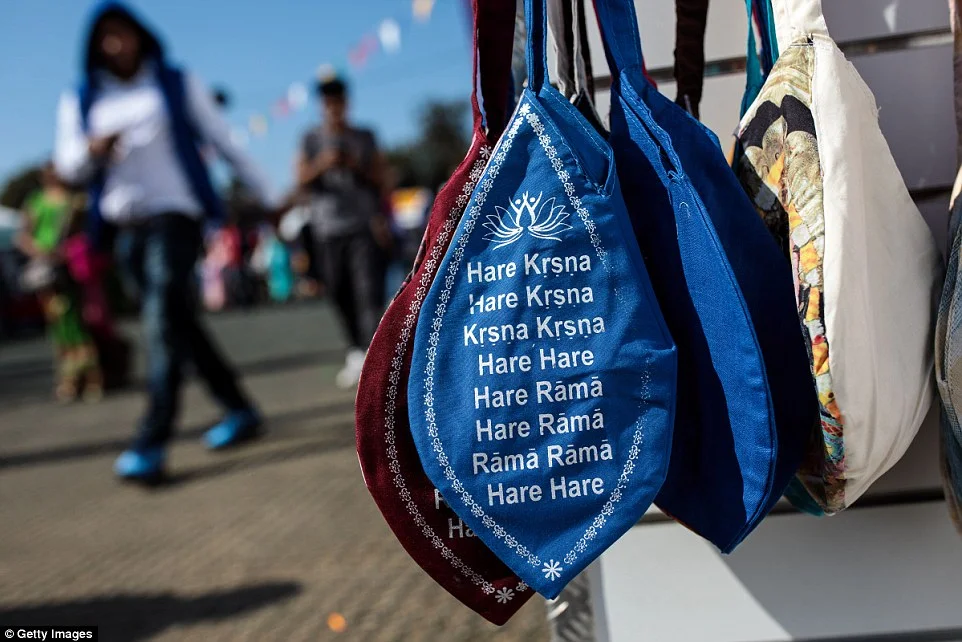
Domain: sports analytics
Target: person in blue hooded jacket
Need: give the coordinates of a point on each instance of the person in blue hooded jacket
(133, 132)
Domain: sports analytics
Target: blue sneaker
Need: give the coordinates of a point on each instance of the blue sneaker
(237, 427)
(144, 465)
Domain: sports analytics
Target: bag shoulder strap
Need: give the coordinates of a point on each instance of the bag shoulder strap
(536, 49)
(764, 18)
(559, 25)
(566, 22)
(492, 35)
(796, 19)
(584, 78)
(620, 34)
(691, 19)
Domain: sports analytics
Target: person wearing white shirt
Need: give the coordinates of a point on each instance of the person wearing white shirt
(133, 133)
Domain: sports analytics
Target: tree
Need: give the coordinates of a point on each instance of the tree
(19, 186)
(442, 142)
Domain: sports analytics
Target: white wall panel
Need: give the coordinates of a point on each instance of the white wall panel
(868, 571)
(913, 90)
(934, 211)
(858, 19)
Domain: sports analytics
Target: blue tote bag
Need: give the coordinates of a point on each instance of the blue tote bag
(746, 404)
(542, 384)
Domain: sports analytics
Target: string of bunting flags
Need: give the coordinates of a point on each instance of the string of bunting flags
(386, 37)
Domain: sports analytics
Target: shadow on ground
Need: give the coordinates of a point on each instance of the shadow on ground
(275, 425)
(32, 380)
(131, 617)
(339, 437)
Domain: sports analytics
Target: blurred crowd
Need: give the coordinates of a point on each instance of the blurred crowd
(100, 233)
(127, 216)
(252, 260)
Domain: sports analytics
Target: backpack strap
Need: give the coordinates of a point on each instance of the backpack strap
(187, 139)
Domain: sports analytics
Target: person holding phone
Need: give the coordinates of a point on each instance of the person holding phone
(343, 174)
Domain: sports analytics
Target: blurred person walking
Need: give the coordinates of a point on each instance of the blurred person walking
(134, 132)
(343, 173)
(47, 238)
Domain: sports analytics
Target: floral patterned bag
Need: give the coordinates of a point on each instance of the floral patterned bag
(866, 265)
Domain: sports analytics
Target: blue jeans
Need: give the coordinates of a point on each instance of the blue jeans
(160, 255)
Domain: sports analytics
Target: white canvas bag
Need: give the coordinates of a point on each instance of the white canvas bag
(866, 265)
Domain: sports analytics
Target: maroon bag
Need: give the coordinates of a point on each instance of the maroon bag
(428, 529)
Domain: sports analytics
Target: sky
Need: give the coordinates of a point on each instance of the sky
(254, 49)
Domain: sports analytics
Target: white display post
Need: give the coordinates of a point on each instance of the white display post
(890, 568)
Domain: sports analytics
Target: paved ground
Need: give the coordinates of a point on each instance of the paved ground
(261, 544)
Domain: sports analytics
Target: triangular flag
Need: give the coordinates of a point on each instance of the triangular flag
(390, 34)
(281, 108)
(359, 55)
(422, 10)
(257, 125)
(297, 95)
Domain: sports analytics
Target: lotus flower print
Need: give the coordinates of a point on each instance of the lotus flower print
(541, 220)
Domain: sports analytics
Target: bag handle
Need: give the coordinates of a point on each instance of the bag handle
(492, 35)
(536, 50)
(796, 19)
(755, 68)
(619, 31)
(560, 26)
(619, 27)
(584, 80)
(691, 18)
(566, 22)
(765, 20)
